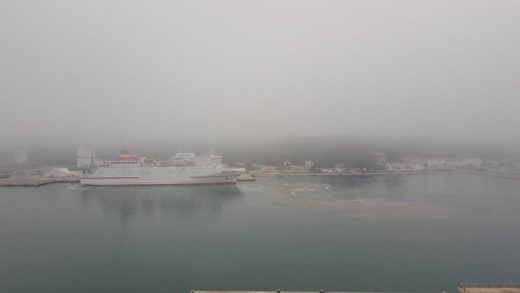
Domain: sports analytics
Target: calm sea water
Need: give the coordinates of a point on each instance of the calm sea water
(421, 233)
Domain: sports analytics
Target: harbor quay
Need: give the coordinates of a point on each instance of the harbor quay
(273, 291)
(28, 181)
(489, 288)
(461, 288)
(188, 168)
(34, 180)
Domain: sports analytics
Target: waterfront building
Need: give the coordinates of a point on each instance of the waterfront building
(308, 164)
(473, 163)
(412, 159)
(339, 167)
(405, 167)
(270, 170)
(437, 164)
(380, 158)
(492, 164)
(60, 173)
(288, 167)
(85, 157)
(264, 169)
(327, 170)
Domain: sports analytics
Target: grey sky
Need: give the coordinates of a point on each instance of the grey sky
(92, 71)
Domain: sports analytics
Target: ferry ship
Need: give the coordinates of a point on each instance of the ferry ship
(180, 169)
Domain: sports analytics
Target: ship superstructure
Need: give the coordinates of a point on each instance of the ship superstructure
(180, 169)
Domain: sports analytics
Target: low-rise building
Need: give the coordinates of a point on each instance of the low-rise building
(308, 164)
(59, 173)
(473, 163)
(288, 167)
(437, 164)
(380, 158)
(404, 167)
(327, 170)
(85, 157)
(264, 170)
(340, 168)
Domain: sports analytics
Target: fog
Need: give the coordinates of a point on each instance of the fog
(128, 72)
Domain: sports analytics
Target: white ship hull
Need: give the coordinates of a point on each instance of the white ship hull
(171, 175)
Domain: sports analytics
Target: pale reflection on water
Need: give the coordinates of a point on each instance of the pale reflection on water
(128, 202)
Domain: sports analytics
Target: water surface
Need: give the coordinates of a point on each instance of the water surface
(421, 233)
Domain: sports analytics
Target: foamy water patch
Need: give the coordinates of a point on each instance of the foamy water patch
(375, 209)
(251, 187)
(310, 188)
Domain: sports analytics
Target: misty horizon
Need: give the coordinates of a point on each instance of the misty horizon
(323, 150)
(123, 73)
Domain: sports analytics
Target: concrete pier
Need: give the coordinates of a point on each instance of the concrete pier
(34, 181)
(462, 288)
(273, 291)
(489, 288)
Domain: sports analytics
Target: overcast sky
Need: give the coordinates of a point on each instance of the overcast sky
(123, 71)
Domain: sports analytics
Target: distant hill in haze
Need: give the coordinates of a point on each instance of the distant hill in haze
(354, 151)
(324, 151)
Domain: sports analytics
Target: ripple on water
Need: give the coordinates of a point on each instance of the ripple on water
(309, 188)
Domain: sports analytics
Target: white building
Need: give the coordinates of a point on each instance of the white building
(473, 163)
(308, 164)
(327, 170)
(465, 164)
(404, 167)
(288, 167)
(85, 157)
(494, 164)
(59, 173)
(412, 159)
(380, 158)
(436, 164)
(263, 169)
(270, 170)
(339, 167)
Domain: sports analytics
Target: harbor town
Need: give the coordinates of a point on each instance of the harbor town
(21, 172)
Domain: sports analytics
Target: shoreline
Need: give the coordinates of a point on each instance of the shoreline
(354, 173)
(346, 174)
(36, 181)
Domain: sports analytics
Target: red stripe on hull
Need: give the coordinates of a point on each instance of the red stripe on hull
(166, 184)
(211, 176)
(110, 178)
